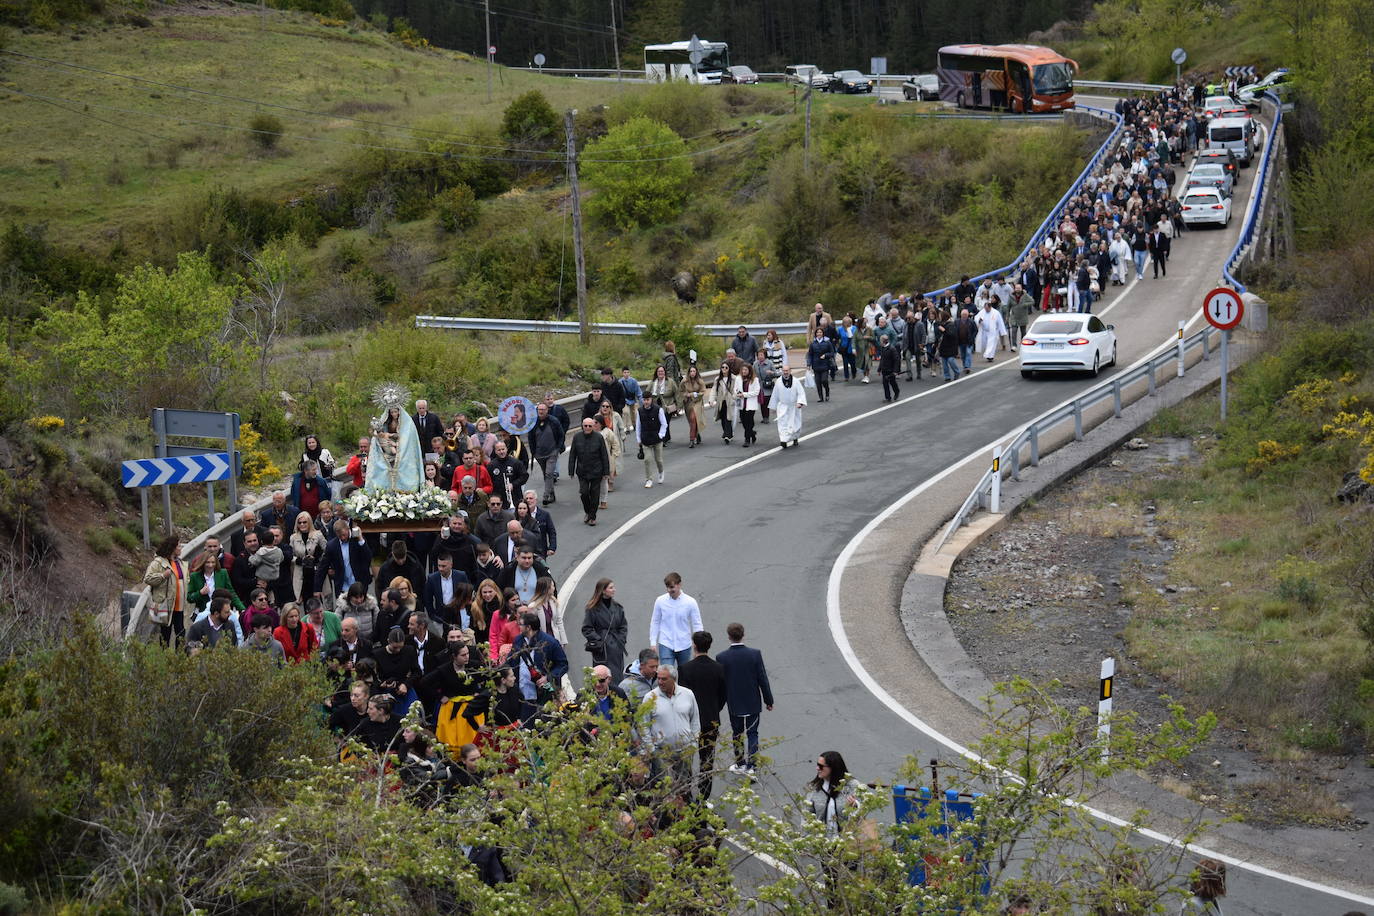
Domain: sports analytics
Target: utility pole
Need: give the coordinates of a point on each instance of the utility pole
(486, 7)
(806, 139)
(615, 43)
(583, 332)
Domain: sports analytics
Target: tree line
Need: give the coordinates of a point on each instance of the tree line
(765, 34)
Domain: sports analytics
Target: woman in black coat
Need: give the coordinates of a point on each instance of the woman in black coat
(604, 627)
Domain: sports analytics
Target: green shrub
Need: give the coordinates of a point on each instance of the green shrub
(688, 110)
(676, 323)
(640, 174)
(267, 130)
(530, 123)
(125, 539)
(13, 900)
(99, 540)
(456, 208)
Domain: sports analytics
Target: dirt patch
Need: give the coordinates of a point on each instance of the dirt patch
(1052, 594)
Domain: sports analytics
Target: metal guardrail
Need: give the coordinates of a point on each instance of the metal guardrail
(1119, 87)
(1171, 352)
(571, 327)
(1255, 211)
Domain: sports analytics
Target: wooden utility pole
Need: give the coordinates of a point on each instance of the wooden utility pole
(486, 7)
(615, 42)
(806, 139)
(583, 332)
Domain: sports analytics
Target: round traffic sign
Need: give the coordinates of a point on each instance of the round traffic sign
(1179, 56)
(539, 60)
(1223, 308)
(492, 50)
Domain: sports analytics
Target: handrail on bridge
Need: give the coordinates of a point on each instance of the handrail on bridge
(1254, 212)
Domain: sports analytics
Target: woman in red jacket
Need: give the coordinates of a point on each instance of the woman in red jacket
(298, 640)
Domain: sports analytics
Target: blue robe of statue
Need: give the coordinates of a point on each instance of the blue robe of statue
(401, 471)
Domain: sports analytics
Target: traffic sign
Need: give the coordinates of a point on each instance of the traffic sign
(152, 472)
(1223, 308)
(539, 60)
(491, 51)
(1179, 56)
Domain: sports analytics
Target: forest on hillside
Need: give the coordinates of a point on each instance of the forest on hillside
(765, 34)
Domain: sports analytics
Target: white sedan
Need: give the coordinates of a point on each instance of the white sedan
(1068, 343)
(1206, 205)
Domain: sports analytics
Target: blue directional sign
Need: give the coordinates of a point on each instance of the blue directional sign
(152, 472)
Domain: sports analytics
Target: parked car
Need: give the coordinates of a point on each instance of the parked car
(740, 75)
(1206, 205)
(1250, 95)
(922, 86)
(1210, 175)
(1067, 343)
(807, 75)
(1221, 155)
(849, 81)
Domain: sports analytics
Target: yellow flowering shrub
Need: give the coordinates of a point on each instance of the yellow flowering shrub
(1270, 453)
(258, 466)
(46, 422)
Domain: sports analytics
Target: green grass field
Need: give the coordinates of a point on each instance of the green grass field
(106, 152)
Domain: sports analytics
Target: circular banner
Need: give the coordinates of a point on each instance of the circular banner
(516, 415)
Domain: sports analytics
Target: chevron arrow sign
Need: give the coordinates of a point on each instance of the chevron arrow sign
(153, 472)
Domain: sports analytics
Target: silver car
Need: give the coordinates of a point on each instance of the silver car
(1211, 175)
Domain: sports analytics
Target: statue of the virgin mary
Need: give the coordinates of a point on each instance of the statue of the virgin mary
(394, 461)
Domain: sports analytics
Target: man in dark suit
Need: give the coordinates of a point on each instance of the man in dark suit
(544, 521)
(705, 677)
(1159, 253)
(347, 558)
(353, 645)
(281, 513)
(427, 425)
(440, 588)
(250, 526)
(748, 694)
(460, 544)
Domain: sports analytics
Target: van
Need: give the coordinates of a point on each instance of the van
(1235, 134)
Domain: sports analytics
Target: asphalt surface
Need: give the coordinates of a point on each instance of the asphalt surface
(755, 533)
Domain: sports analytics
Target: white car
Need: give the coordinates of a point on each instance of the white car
(1067, 343)
(1250, 94)
(1206, 205)
(1214, 103)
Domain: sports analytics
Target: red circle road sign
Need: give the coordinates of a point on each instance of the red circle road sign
(1223, 308)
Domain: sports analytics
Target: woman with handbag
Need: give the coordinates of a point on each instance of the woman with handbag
(863, 354)
(166, 576)
(693, 393)
(721, 403)
(667, 395)
(307, 547)
(605, 628)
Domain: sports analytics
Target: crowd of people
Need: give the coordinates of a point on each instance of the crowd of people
(465, 624)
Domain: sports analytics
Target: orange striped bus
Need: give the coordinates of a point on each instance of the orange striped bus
(1023, 78)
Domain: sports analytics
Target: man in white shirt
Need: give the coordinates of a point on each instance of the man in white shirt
(675, 618)
(674, 726)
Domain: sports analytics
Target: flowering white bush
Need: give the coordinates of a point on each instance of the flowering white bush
(386, 505)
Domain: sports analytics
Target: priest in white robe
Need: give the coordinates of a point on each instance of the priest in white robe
(788, 399)
(991, 329)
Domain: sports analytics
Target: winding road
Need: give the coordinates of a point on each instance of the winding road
(756, 533)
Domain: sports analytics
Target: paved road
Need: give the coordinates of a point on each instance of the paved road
(755, 532)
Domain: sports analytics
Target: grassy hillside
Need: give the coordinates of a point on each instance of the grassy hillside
(109, 153)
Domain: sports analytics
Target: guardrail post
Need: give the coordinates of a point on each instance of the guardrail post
(1206, 344)
(1151, 376)
(995, 494)
(1181, 325)
(1035, 445)
(1116, 398)
(1078, 421)
(1016, 463)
